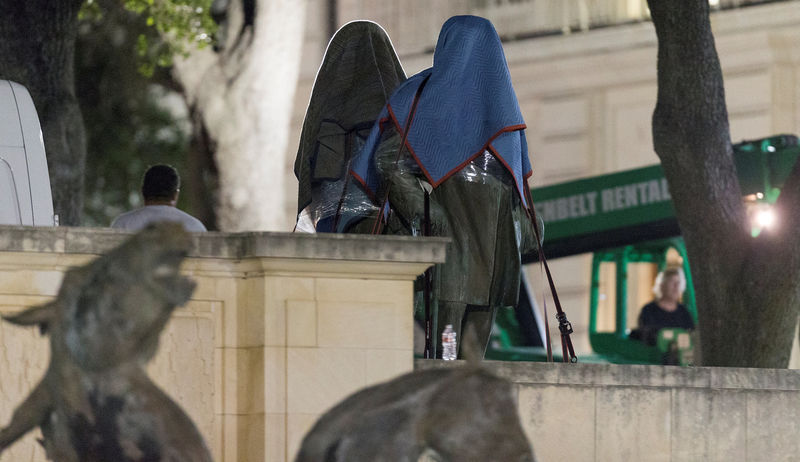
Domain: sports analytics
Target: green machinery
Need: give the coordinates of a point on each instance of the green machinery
(624, 218)
(620, 345)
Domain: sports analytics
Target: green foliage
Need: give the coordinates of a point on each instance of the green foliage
(179, 26)
(184, 21)
(90, 11)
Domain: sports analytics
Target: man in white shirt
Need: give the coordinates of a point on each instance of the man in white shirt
(160, 188)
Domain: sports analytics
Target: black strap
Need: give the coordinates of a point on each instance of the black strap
(564, 325)
(427, 290)
(377, 228)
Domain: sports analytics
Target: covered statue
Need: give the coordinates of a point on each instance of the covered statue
(358, 73)
(455, 133)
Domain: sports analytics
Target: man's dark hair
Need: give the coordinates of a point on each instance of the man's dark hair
(160, 182)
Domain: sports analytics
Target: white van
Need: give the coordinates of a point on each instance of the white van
(25, 196)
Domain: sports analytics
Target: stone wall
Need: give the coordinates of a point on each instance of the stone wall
(605, 412)
(283, 326)
(280, 328)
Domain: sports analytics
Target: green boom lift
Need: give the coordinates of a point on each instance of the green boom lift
(626, 218)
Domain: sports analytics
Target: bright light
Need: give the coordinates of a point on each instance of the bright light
(759, 195)
(765, 218)
(713, 2)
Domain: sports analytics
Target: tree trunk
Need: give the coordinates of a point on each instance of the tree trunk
(37, 45)
(243, 93)
(746, 292)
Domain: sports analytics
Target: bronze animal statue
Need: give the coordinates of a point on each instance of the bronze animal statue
(95, 402)
(460, 414)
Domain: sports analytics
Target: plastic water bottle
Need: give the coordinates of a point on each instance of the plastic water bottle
(449, 343)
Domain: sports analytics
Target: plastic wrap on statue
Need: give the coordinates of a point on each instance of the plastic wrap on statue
(478, 208)
(463, 140)
(357, 75)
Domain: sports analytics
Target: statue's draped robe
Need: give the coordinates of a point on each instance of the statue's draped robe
(466, 142)
(358, 73)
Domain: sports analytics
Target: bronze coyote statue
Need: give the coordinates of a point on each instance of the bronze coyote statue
(461, 413)
(95, 402)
